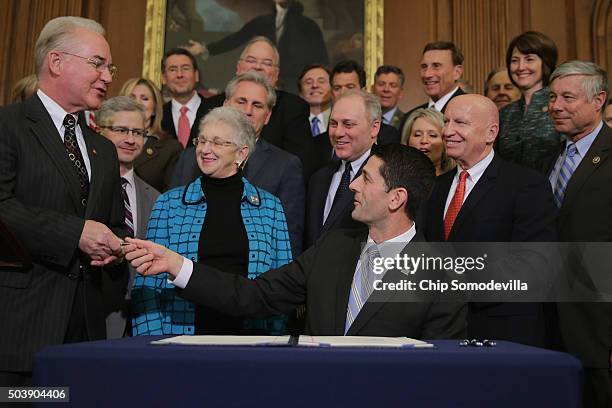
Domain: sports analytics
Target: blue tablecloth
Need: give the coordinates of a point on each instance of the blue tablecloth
(131, 372)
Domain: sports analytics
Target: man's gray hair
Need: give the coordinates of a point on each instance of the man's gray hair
(243, 132)
(370, 102)
(111, 106)
(594, 81)
(256, 78)
(261, 38)
(55, 35)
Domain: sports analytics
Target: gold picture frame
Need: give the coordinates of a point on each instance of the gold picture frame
(155, 31)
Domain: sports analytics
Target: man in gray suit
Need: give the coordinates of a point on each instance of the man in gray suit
(121, 120)
(269, 167)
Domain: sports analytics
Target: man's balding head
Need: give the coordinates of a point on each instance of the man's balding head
(471, 124)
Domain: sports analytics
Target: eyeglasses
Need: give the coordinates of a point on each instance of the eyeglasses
(124, 131)
(98, 63)
(254, 61)
(216, 142)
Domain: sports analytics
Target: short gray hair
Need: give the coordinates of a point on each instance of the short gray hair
(595, 78)
(261, 38)
(256, 78)
(370, 103)
(243, 132)
(117, 104)
(436, 118)
(55, 36)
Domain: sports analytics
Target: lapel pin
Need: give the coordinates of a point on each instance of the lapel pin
(254, 200)
(545, 108)
(596, 159)
(149, 151)
(94, 151)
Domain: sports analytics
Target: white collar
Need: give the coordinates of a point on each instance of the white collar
(56, 112)
(441, 103)
(193, 104)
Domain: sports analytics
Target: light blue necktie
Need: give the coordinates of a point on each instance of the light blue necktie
(362, 285)
(565, 172)
(315, 127)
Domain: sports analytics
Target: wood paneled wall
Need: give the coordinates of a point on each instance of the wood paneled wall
(481, 28)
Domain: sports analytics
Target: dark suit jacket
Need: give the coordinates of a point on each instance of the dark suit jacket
(301, 43)
(270, 168)
(117, 287)
(155, 165)
(425, 105)
(288, 127)
(40, 202)
(167, 123)
(339, 216)
(397, 119)
(322, 279)
(586, 216)
(510, 203)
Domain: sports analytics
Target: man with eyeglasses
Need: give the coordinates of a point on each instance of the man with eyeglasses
(61, 197)
(288, 127)
(122, 121)
(182, 115)
(269, 167)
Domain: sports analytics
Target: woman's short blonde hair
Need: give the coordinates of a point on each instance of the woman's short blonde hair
(435, 118)
(128, 87)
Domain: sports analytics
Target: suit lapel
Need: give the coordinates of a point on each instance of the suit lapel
(595, 157)
(339, 209)
(97, 164)
(150, 151)
(481, 189)
(45, 131)
(141, 195)
(438, 202)
(345, 280)
(257, 160)
(167, 121)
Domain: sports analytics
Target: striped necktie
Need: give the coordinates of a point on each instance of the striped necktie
(129, 221)
(363, 284)
(568, 165)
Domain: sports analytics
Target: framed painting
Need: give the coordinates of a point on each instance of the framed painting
(312, 31)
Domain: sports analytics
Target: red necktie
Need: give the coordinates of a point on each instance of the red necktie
(183, 127)
(455, 205)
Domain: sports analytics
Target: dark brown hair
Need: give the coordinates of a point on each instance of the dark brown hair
(534, 42)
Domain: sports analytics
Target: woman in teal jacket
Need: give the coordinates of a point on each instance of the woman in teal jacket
(220, 219)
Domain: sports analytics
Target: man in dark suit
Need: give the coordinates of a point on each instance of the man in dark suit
(489, 200)
(441, 68)
(353, 126)
(269, 167)
(389, 87)
(122, 121)
(59, 194)
(345, 76)
(580, 173)
(298, 38)
(182, 114)
(288, 127)
(336, 289)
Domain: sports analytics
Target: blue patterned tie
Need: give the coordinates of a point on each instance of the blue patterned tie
(362, 285)
(315, 127)
(566, 170)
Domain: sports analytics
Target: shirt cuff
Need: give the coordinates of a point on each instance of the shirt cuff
(182, 279)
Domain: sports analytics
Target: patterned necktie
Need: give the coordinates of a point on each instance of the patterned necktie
(75, 156)
(343, 187)
(568, 165)
(183, 127)
(129, 221)
(455, 205)
(363, 284)
(315, 127)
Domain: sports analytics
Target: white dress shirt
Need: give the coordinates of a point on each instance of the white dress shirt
(192, 106)
(388, 117)
(58, 114)
(441, 103)
(130, 189)
(335, 181)
(323, 120)
(474, 175)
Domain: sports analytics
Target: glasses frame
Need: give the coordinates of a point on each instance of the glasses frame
(256, 61)
(217, 142)
(98, 63)
(121, 129)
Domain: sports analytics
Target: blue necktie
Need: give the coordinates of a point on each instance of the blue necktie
(363, 284)
(343, 187)
(568, 165)
(315, 127)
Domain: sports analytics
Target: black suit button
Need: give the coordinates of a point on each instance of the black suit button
(72, 276)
